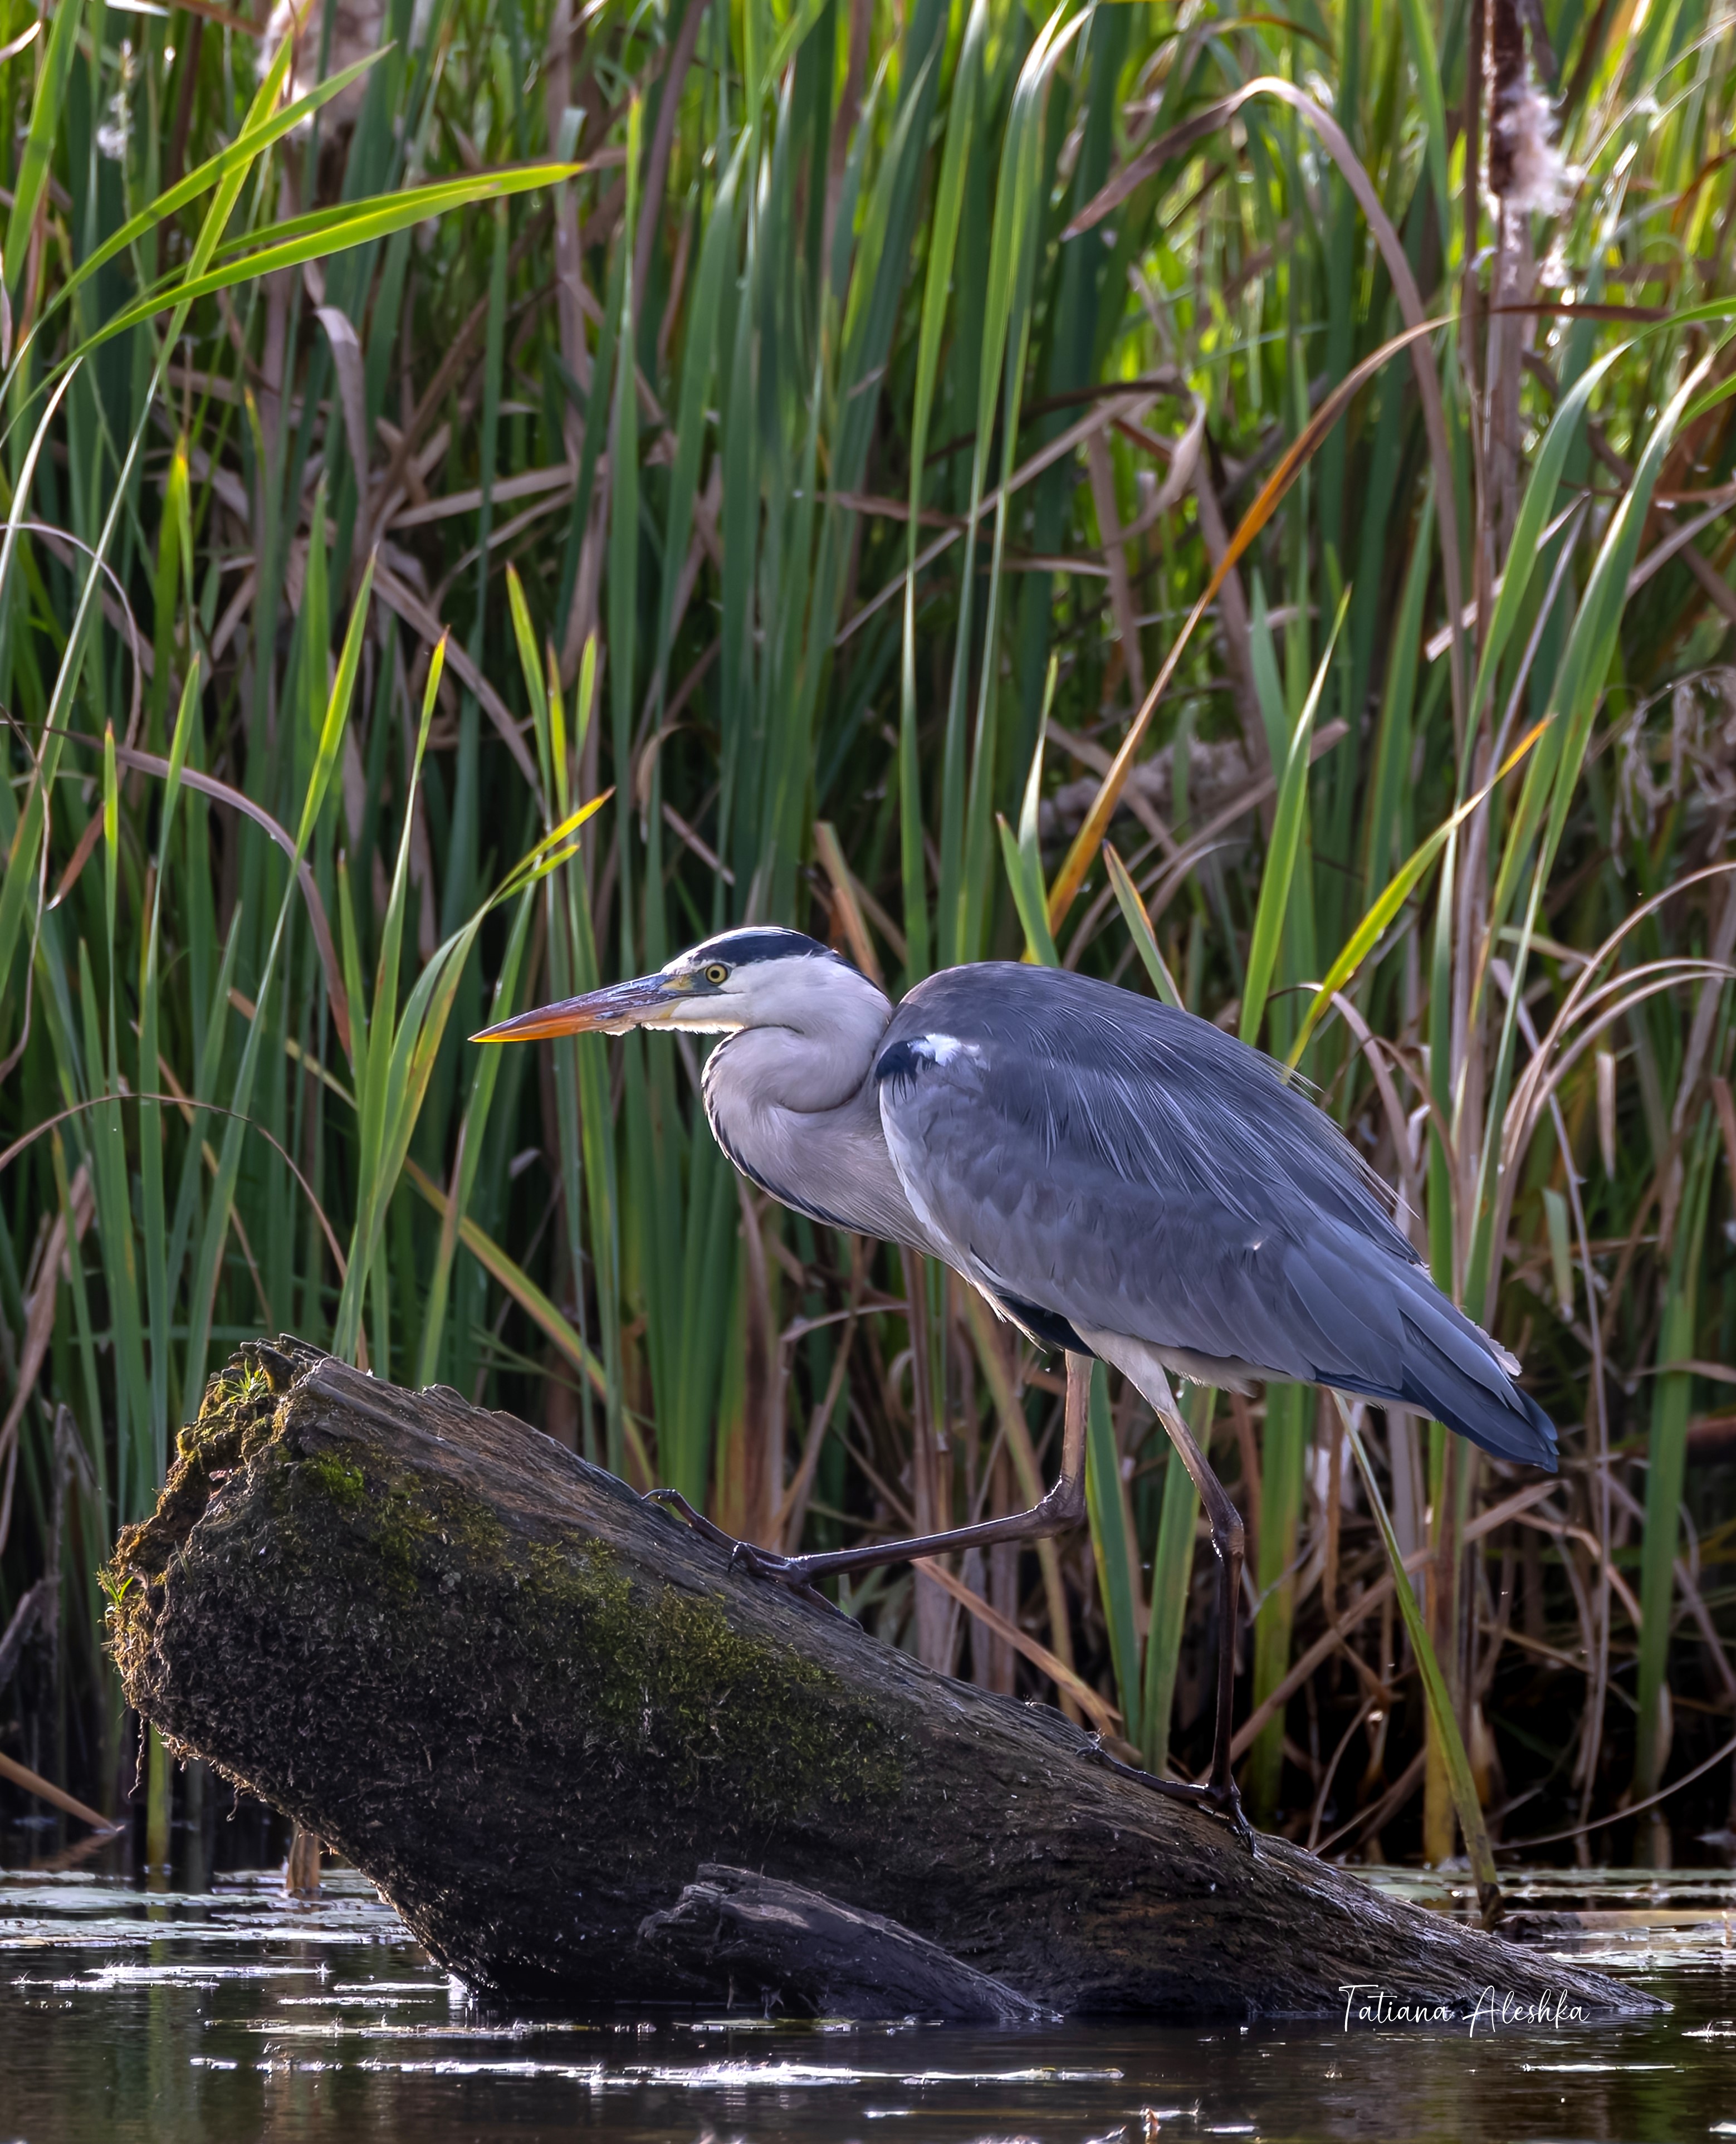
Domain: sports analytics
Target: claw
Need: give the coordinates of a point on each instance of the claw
(697, 1520)
(1219, 1799)
(1232, 1807)
(763, 1562)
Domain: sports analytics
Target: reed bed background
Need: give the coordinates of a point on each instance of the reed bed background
(1235, 503)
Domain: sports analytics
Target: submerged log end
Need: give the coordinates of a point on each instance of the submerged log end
(556, 1727)
(791, 1949)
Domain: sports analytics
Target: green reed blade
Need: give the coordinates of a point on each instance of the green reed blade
(1426, 70)
(1399, 888)
(22, 864)
(1442, 1715)
(943, 244)
(1667, 1449)
(1534, 510)
(1172, 1574)
(151, 1213)
(397, 1089)
(1278, 879)
(699, 362)
(472, 1130)
(48, 111)
(1012, 262)
(217, 1225)
(1116, 1548)
(1283, 1452)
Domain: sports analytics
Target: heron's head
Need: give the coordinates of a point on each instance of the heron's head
(750, 978)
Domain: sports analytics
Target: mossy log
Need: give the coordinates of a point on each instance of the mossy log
(530, 1706)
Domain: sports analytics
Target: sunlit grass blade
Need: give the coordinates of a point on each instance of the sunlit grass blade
(1534, 510)
(397, 1088)
(239, 155)
(1397, 891)
(1023, 857)
(1139, 930)
(333, 231)
(524, 1292)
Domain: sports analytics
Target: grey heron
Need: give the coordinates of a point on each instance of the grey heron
(1120, 1180)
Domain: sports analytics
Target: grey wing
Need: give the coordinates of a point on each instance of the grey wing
(1110, 1165)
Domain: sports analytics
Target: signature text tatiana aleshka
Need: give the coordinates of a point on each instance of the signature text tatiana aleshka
(1367, 2003)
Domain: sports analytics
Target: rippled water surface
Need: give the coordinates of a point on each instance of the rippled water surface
(239, 2014)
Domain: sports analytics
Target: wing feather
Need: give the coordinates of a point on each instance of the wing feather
(1129, 1170)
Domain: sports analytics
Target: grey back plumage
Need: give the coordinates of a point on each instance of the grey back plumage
(1099, 1160)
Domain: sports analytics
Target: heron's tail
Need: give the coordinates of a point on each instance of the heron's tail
(1451, 1370)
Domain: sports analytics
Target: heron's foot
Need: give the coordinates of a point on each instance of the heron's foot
(793, 1571)
(697, 1520)
(796, 1573)
(1218, 1798)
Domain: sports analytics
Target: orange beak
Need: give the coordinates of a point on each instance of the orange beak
(612, 1011)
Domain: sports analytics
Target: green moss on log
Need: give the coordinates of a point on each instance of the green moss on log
(719, 1710)
(341, 1479)
(665, 1681)
(236, 1420)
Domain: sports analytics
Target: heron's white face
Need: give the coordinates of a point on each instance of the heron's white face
(721, 987)
(748, 978)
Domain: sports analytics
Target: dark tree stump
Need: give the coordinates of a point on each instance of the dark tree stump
(530, 1706)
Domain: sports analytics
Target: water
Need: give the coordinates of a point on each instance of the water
(237, 2014)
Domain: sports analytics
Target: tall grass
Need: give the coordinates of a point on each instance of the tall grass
(1214, 502)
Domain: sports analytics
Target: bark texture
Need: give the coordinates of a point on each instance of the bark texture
(530, 1707)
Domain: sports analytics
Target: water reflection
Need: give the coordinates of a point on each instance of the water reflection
(212, 2017)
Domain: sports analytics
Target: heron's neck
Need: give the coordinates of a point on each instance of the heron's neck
(807, 1054)
(793, 1106)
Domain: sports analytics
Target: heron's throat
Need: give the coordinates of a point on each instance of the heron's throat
(808, 1043)
(794, 1105)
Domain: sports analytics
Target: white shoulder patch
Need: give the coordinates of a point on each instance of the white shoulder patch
(942, 1049)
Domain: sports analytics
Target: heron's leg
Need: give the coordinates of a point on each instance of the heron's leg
(1059, 1511)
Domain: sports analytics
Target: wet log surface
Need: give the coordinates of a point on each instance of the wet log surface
(536, 1711)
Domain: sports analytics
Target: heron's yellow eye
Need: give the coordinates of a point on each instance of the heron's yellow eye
(717, 973)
